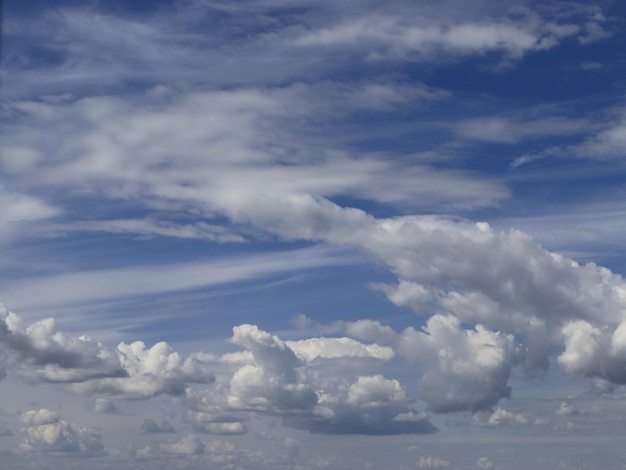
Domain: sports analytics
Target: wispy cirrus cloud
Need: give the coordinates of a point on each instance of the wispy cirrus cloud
(91, 286)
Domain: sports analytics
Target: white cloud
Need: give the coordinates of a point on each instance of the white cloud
(46, 431)
(465, 369)
(567, 408)
(320, 396)
(376, 391)
(432, 462)
(511, 131)
(274, 380)
(19, 208)
(150, 372)
(421, 38)
(39, 352)
(502, 417)
(244, 153)
(151, 426)
(485, 463)
(501, 272)
(338, 347)
(188, 445)
(53, 355)
(152, 228)
(394, 33)
(283, 159)
(608, 143)
(88, 286)
(549, 299)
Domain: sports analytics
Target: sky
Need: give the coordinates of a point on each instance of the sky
(313, 234)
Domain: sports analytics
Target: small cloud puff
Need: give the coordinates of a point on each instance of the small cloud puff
(432, 462)
(150, 426)
(188, 445)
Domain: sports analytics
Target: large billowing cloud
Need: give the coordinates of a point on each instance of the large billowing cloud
(503, 280)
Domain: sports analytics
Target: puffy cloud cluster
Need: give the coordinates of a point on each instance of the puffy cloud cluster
(150, 372)
(46, 431)
(40, 352)
(316, 391)
(53, 355)
(493, 300)
(465, 369)
(326, 384)
(594, 350)
(459, 368)
(274, 380)
(504, 281)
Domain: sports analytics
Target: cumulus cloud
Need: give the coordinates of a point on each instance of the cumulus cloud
(465, 369)
(150, 372)
(188, 445)
(54, 355)
(313, 393)
(330, 391)
(432, 462)
(481, 273)
(150, 426)
(40, 352)
(105, 405)
(502, 417)
(46, 431)
(274, 380)
(338, 347)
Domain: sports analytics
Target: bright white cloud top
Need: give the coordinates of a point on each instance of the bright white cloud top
(312, 235)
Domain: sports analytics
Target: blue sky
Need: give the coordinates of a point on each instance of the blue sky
(313, 234)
